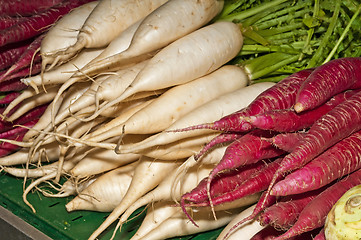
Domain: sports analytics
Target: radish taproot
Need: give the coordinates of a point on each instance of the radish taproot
(116, 17)
(169, 22)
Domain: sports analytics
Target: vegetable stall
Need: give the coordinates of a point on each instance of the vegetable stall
(179, 119)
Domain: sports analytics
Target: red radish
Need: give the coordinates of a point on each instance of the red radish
(247, 149)
(284, 213)
(8, 98)
(337, 124)
(280, 96)
(37, 24)
(327, 80)
(287, 141)
(13, 85)
(336, 162)
(258, 182)
(287, 120)
(222, 183)
(8, 21)
(11, 52)
(320, 235)
(314, 214)
(222, 138)
(26, 8)
(25, 59)
(27, 71)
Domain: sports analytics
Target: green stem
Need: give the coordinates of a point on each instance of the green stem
(343, 35)
(250, 12)
(317, 55)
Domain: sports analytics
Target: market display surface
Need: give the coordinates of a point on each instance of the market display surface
(182, 119)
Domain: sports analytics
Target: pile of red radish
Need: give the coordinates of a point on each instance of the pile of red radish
(308, 128)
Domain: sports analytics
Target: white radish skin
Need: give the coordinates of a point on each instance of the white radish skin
(117, 45)
(48, 153)
(147, 175)
(108, 19)
(104, 133)
(179, 100)
(188, 58)
(62, 73)
(163, 191)
(105, 193)
(181, 149)
(245, 231)
(179, 225)
(64, 33)
(31, 103)
(208, 112)
(156, 213)
(100, 161)
(171, 21)
(70, 187)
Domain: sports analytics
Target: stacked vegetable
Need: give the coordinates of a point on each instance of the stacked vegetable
(23, 27)
(171, 104)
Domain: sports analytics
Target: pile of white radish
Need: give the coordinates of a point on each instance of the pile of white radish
(117, 85)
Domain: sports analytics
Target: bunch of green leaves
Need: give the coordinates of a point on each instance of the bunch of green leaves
(285, 36)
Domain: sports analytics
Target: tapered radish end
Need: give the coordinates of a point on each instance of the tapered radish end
(183, 207)
(195, 127)
(299, 107)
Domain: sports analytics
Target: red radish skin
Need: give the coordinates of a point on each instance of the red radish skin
(8, 98)
(287, 120)
(328, 80)
(11, 52)
(18, 130)
(25, 8)
(220, 139)
(36, 24)
(25, 72)
(223, 183)
(287, 141)
(314, 215)
(339, 123)
(284, 213)
(320, 235)
(339, 160)
(7, 21)
(248, 149)
(27, 58)
(280, 96)
(13, 85)
(268, 200)
(257, 183)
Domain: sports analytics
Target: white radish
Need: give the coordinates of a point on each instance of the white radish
(163, 191)
(100, 161)
(108, 19)
(64, 33)
(188, 58)
(105, 193)
(156, 213)
(179, 225)
(62, 73)
(179, 100)
(147, 175)
(171, 21)
(244, 231)
(208, 112)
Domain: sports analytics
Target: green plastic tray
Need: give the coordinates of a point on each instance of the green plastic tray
(52, 218)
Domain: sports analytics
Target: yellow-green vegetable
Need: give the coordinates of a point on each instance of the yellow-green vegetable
(344, 219)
